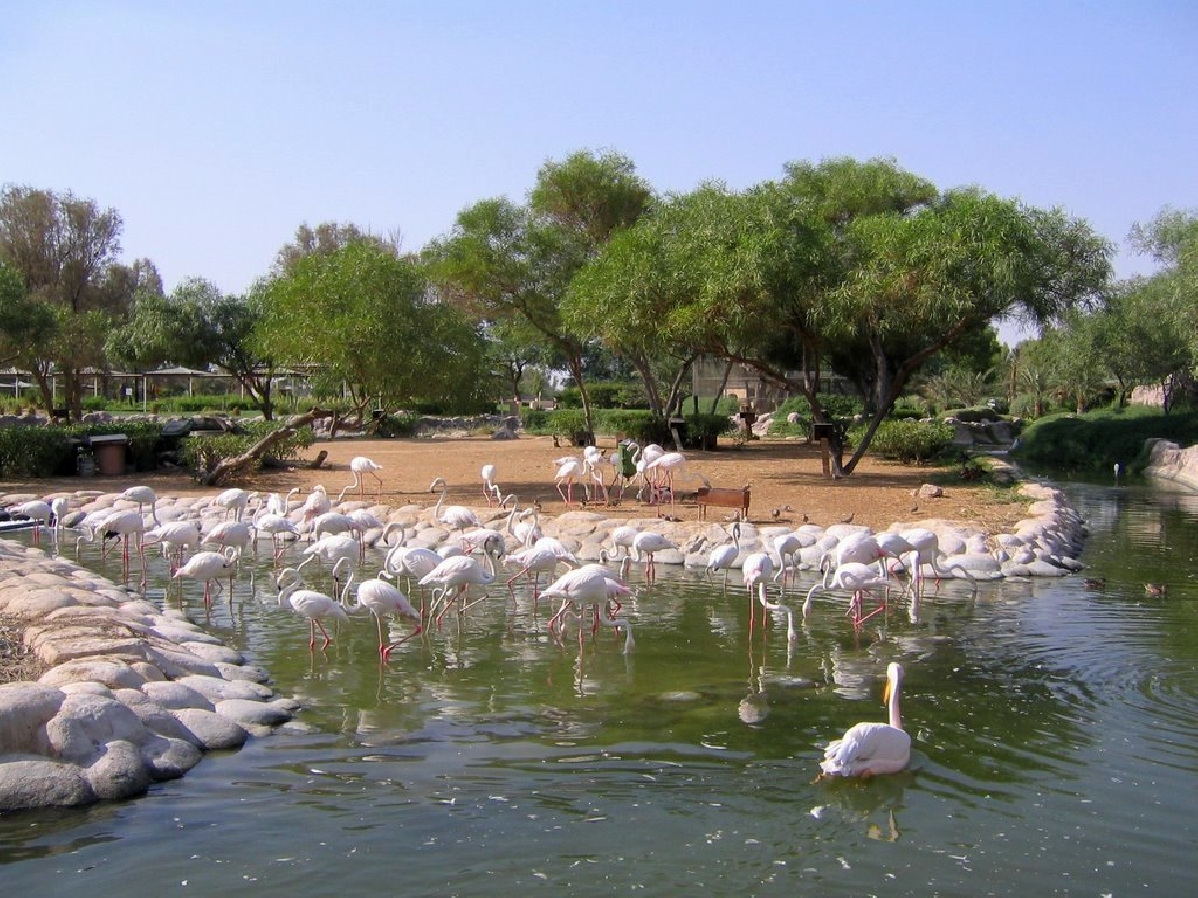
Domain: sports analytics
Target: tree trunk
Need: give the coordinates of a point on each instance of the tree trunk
(229, 467)
(715, 400)
(574, 362)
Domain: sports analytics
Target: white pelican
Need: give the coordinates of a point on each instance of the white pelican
(868, 749)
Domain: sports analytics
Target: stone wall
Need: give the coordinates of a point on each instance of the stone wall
(1168, 461)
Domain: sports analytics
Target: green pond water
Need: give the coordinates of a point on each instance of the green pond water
(1055, 734)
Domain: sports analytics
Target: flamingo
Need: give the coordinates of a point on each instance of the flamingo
(927, 551)
(569, 470)
(660, 474)
(176, 538)
(380, 598)
(785, 547)
(317, 503)
(275, 525)
(722, 556)
(143, 495)
(122, 525)
(525, 532)
(491, 491)
(313, 605)
(234, 502)
(37, 511)
(234, 534)
(334, 522)
(458, 573)
(334, 548)
(458, 517)
(858, 577)
(755, 571)
(648, 543)
(870, 749)
(276, 503)
(622, 537)
(590, 584)
(360, 465)
(207, 566)
(59, 508)
(535, 560)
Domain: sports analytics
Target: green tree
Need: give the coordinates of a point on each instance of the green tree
(65, 250)
(327, 238)
(503, 260)
(367, 320)
(197, 325)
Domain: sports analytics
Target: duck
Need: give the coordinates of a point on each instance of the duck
(1156, 590)
(1096, 583)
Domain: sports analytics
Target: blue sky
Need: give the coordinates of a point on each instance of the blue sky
(217, 128)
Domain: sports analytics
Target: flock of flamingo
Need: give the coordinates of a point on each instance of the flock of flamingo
(861, 563)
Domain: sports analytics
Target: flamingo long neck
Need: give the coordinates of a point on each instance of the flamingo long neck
(440, 502)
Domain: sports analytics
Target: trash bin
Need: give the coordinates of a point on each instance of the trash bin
(624, 462)
(109, 451)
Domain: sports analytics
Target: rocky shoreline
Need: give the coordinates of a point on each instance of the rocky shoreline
(133, 694)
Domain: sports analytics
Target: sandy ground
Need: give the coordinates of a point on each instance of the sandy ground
(780, 473)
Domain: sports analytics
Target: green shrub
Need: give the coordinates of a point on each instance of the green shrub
(568, 422)
(910, 441)
(1095, 441)
(401, 424)
(535, 420)
(30, 452)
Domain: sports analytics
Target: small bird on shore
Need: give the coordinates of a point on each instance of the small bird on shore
(777, 512)
(849, 519)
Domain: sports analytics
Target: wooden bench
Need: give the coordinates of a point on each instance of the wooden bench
(723, 497)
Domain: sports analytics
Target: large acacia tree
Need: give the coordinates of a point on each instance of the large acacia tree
(861, 265)
(505, 260)
(365, 317)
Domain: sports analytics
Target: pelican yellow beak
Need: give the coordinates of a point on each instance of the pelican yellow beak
(886, 692)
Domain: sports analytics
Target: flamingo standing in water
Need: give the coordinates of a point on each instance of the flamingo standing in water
(37, 511)
(456, 573)
(721, 557)
(647, 543)
(859, 578)
(381, 599)
(208, 566)
(234, 502)
(591, 584)
(177, 538)
(143, 495)
(313, 605)
(360, 465)
(869, 749)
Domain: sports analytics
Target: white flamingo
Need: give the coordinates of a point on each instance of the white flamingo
(591, 584)
(317, 503)
(275, 526)
(234, 502)
(143, 496)
(381, 599)
(315, 606)
(647, 544)
(569, 471)
(360, 465)
(207, 566)
(857, 577)
(491, 490)
(722, 556)
(457, 573)
(176, 538)
(37, 511)
(236, 535)
(457, 517)
(869, 749)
